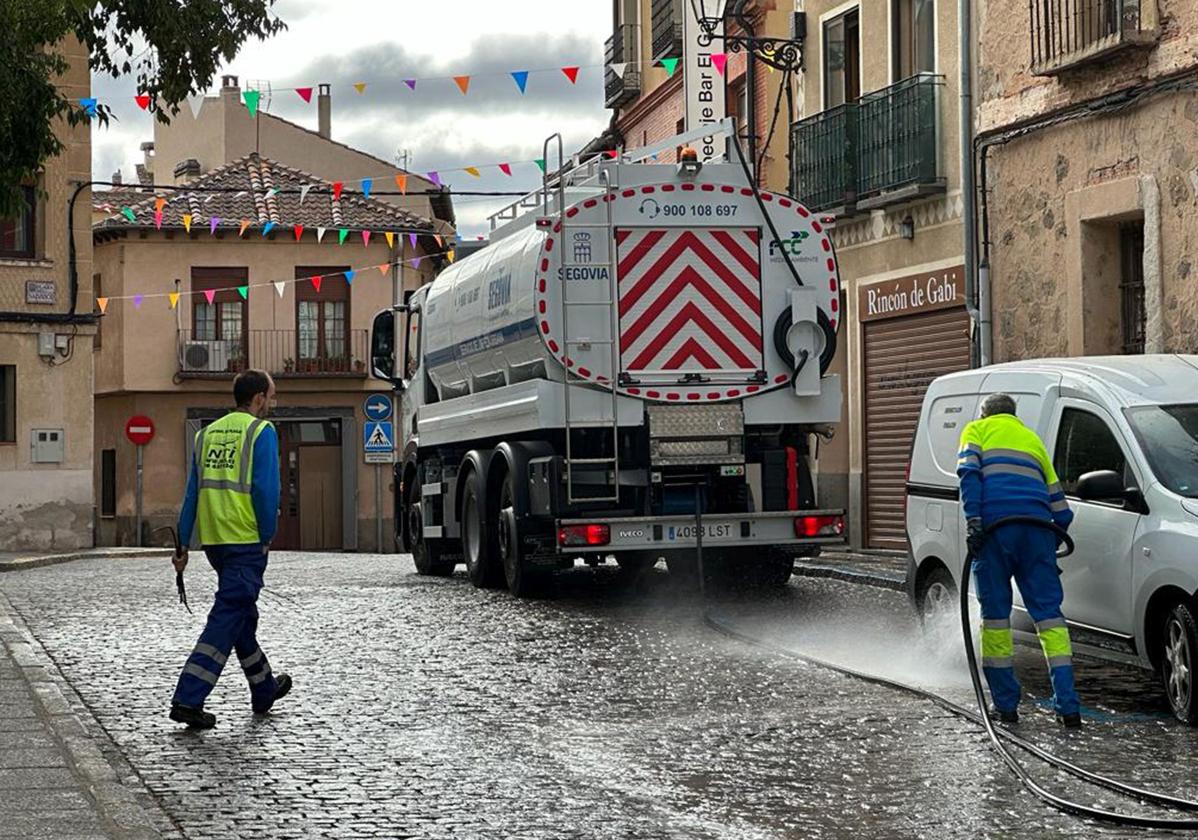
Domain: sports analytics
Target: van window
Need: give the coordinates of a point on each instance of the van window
(1085, 443)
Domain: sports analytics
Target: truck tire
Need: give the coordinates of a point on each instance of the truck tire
(478, 543)
(522, 581)
(1179, 647)
(425, 554)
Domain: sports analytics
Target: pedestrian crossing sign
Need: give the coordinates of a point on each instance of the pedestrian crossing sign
(378, 442)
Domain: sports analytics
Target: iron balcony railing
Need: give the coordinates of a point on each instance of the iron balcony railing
(281, 353)
(879, 150)
(623, 47)
(1070, 32)
(667, 28)
(824, 161)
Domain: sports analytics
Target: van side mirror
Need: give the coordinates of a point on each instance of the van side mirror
(1108, 486)
(382, 346)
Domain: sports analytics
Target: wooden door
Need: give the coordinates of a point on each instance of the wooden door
(320, 497)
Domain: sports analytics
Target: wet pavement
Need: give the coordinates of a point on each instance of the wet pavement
(427, 708)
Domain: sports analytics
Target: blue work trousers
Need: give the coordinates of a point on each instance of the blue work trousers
(232, 626)
(1027, 553)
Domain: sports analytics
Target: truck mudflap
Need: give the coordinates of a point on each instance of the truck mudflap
(671, 533)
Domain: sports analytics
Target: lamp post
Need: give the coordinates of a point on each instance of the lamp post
(785, 54)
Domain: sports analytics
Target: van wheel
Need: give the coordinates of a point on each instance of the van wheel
(522, 581)
(937, 595)
(1179, 647)
(425, 554)
(478, 544)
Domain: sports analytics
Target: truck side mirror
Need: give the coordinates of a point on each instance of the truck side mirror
(1101, 486)
(382, 346)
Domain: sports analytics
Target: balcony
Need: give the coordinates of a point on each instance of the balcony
(281, 353)
(623, 47)
(667, 29)
(881, 150)
(1069, 33)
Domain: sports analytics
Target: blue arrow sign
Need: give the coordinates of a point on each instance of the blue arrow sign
(377, 407)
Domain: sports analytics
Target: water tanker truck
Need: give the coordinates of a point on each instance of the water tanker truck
(633, 368)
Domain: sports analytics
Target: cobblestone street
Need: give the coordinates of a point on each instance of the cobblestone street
(427, 708)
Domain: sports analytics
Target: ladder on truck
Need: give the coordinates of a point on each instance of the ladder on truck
(609, 464)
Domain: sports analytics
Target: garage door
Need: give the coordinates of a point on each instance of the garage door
(902, 357)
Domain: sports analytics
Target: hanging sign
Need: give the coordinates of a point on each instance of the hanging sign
(704, 83)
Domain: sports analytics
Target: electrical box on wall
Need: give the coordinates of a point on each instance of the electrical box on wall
(45, 344)
(49, 446)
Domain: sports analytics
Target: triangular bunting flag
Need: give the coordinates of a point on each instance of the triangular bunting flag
(719, 61)
(449, 254)
(304, 193)
(305, 93)
(212, 224)
(316, 281)
(401, 181)
(102, 302)
(440, 241)
(320, 234)
(267, 228)
(251, 98)
(341, 234)
(174, 296)
(245, 223)
(412, 239)
(299, 231)
(411, 83)
(187, 222)
(367, 183)
(127, 212)
(279, 287)
(540, 162)
(89, 105)
(137, 299)
(196, 101)
(434, 177)
(360, 87)
(506, 169)
(473, 170)
(612, 154)
(349, 275)
(415, 261)
(521, 79)
(671, 64)
(158, 219)
(463, 83)
(366, 238)
(271, 193)
(337, 185)
(619, 69)
(571, 74)
(159, 203)
(143, 101)
(390, 237)
(383, 268)
(209, 295)
(244, 291)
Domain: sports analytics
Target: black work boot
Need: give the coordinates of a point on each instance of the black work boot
(282, 689)
(1004, 717)
(1073, 720)
(194, 718)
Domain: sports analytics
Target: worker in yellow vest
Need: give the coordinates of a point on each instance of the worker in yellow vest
(233, 493)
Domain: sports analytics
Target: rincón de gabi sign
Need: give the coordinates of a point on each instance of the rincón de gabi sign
(940, 289)
(705, 101)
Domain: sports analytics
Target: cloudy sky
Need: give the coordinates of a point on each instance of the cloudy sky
(383, 42)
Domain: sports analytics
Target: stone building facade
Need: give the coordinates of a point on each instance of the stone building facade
(1089, 132)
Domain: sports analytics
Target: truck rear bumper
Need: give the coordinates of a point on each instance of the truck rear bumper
(721, 530)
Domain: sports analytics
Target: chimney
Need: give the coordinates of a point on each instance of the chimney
(324, 112)
(116, 177)
(230, 88)
(187, 171)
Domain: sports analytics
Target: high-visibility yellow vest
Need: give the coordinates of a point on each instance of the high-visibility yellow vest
(224, 453)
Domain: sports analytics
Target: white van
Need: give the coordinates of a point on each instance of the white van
(1123, 435)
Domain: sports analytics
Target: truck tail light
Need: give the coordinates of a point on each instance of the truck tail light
(819, 526)
(574, 535)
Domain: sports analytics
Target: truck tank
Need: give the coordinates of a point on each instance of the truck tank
(669, 291)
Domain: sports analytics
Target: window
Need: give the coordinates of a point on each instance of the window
(1132, 318)
(8, 404)
(914, 31)
(842, 60)
(1169, 437)
(1084, 444)
(322, 321)
(738, 107)
(225, 318)
(108, 482)
(16, 235)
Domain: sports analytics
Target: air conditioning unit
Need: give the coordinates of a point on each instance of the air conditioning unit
(206, 356)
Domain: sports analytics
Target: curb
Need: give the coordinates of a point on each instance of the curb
(850, 575)
(36, 562)
(122, 799)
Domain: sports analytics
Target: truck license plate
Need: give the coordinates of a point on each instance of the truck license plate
(687, 532)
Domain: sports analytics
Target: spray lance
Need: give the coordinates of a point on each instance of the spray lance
(178, 555)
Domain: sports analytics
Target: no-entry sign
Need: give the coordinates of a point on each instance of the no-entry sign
(139, 429)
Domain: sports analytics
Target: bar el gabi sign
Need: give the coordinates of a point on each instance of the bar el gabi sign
(940, 289)
(705, 100)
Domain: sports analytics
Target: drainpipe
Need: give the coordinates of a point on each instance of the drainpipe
(977, 277)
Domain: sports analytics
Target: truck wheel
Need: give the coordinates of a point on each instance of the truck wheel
(478, 546)
(522, 581)
(425, 554)
(1180, 647)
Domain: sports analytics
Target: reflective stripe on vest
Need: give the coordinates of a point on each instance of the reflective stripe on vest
(224, 458)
